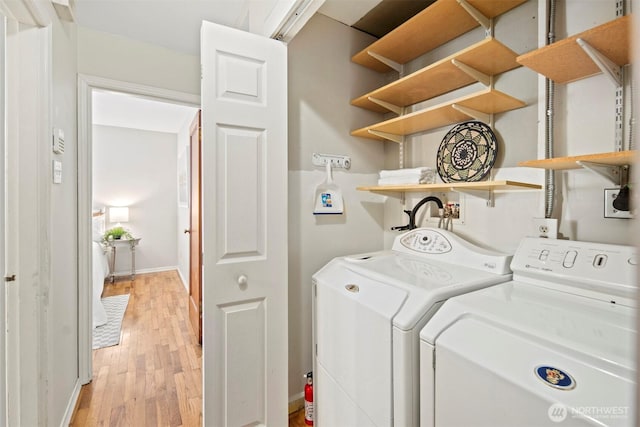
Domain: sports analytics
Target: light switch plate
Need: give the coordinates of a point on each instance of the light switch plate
(57, 172)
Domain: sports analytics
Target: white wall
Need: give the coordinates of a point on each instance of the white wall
(118, 58)
(322, 81)
(41, 223)
(63, 295)
(138, 168)
(584, 124)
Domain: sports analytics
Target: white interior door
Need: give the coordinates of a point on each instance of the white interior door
(3, 360)
(244, 221)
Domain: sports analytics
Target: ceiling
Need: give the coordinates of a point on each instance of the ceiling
(130, 111)
(175, 25)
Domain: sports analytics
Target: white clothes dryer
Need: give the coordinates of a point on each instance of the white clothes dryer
(368, 313)
(553, 347)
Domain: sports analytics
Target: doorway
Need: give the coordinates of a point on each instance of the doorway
(91, 89)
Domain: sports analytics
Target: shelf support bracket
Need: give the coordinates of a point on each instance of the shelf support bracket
(476, 14)
(391, 107)
(388, 62)
(483, 78)
(610, 173)
(478, 115)
(482, 194)
(390, 136)
(608, 67)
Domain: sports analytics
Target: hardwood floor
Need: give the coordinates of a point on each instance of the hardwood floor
(153, 378)
(296, 419)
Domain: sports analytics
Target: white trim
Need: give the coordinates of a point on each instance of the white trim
(45, 218)
(3, 159)
(31, 12)
(71, 406)
(291, 16)
(86, 85)
(183, 279)
(127, 273)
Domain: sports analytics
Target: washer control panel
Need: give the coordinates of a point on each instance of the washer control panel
(446, 246)
(426, 241)
(585, 264)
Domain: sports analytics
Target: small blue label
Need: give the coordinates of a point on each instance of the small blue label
(326, 200)
(555, 377)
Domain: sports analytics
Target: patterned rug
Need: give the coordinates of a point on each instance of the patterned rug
(109, 334)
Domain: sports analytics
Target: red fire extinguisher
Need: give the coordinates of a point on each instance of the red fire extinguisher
(308, 400)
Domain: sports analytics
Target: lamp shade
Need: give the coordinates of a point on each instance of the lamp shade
(119, 214)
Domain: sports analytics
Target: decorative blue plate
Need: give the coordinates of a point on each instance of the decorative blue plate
(467, 152)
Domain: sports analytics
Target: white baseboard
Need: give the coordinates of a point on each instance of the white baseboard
(296, 402)
(71, 406)
(183, 280)
(146, 270)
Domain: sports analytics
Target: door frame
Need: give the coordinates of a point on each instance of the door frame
(3, 119)
(86, 85)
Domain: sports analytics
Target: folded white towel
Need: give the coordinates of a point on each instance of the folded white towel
(410, 179)
(404, 172)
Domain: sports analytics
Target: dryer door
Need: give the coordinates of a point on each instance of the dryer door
(354, 328)
(486, 374)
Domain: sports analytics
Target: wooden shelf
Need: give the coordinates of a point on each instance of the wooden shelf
(617, 158)
(489, 57)
(489, 101)
(480, 185)
(565, 61)
(439, 23)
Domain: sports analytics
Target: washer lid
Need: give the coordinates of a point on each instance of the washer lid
(601, 332)
(530, 382)
(424, 282)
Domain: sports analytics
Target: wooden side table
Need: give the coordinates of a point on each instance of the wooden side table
(113, 245)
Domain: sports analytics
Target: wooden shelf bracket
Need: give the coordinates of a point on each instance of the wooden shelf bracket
(390, 136)
(483, 78)
(389, 106)
(481, 194)
(610, 173)
(478, 115)
(608, 67)
(478, 16)
(388, 62)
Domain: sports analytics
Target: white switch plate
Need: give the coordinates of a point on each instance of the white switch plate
(57, 172)
(545, 227)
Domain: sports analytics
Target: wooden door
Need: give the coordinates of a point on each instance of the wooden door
(195, 245)
(244, 197)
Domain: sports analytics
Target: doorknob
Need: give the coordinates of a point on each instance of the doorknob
(242, 280)
(187, 231)
(11, 278)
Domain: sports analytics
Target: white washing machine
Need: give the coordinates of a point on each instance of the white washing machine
(553, 347)
(368, 313)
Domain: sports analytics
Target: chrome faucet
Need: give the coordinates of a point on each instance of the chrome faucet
(412, 213)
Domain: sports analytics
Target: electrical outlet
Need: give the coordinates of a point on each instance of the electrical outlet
(545, 227)
(610, 195)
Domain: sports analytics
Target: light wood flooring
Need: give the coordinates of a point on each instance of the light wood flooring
(153, 378)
